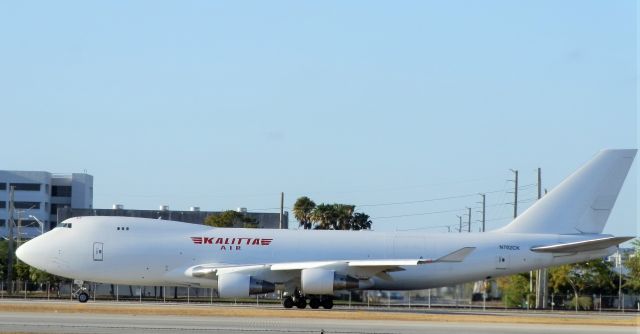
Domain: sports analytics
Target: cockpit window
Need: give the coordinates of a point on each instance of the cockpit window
(65, 225)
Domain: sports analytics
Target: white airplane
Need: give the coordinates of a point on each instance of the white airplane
(565, 226)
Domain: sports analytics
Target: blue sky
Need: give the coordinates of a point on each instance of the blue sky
(226, 104)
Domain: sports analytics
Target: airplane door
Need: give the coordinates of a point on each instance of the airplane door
(97, 251)
(502, 261)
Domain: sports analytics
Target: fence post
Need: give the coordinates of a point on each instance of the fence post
(164, 294)
(25, 289)
(71, 291)
(388, 299)
(553, 302)
(429, 298)
(188, 293)
(140, 295)
(211, 298)
(484, 301)
(94, 291)
(48, 289)
(117, 292)
(257, 303)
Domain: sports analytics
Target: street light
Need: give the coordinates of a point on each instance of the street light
(39, 223)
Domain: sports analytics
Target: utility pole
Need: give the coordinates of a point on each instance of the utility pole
(619, 265)
(484, 207)
(281, 208)
(541, 274)
(515, 193)
(10, 235)
(469, 221)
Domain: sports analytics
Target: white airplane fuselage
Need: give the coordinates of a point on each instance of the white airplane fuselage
(140, 251)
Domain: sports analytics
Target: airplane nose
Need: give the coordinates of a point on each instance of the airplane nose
(27, 254)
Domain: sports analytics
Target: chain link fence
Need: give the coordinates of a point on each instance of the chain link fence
(449, 297)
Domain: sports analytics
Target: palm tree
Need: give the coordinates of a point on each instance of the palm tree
(302, 210)
(360, 221)
(344, 214)
(324, 217)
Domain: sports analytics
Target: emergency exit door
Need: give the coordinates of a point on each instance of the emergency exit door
(97, 251)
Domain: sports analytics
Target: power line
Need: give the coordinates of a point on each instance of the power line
(434, 199)
(419, 214)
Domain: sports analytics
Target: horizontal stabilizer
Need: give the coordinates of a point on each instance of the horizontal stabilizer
(581, 246)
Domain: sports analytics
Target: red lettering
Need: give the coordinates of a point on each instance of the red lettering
(206, 240)
(256, 241)
(219, 241)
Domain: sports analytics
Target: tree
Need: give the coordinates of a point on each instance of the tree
(335, 216)
(360, 221)
(230, 218)
(632, 263)
(302, 211)
(324, 217)
(595, 276)
(343, 216)
(515, 290)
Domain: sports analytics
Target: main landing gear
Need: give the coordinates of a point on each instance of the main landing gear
(300, 301)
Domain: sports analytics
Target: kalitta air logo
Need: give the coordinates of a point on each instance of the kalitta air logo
(231, 244)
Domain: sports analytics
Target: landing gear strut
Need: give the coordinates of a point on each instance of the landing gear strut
(300, 301)
(80, 293)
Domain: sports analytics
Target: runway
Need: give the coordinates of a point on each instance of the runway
(37, 322)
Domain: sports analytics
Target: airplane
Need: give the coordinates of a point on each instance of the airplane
(310, 266)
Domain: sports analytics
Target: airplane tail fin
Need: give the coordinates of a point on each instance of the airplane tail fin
(582, 202)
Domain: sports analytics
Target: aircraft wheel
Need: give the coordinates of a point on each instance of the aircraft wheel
(83, 297)
(287, 302)
(301, 303)
(327, 303)
(314, 303)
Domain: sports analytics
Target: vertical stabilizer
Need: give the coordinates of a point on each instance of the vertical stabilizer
(582, 202)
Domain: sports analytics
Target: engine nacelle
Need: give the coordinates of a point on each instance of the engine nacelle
(318, 281)
(241, 285)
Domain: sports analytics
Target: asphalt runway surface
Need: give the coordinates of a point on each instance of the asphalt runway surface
(29, 322)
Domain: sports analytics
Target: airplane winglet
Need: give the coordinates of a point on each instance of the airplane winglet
(456, 256)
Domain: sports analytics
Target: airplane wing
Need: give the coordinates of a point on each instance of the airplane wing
(581, 246)
(360, 268)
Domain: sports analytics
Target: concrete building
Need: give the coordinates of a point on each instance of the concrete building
(38, 196)
(194, 216)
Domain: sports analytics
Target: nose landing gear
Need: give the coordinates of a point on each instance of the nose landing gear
(81, 292)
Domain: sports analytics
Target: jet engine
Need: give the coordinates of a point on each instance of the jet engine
(318, 281)
(241, 285)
